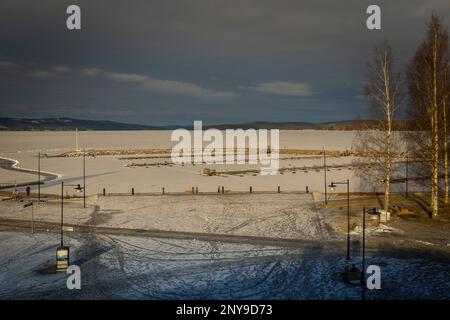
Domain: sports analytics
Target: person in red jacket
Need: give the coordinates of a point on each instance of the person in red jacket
(28, 191)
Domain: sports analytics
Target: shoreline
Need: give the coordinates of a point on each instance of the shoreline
(12, 165)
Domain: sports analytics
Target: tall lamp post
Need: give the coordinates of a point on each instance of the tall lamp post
(84, 178)
(325, 174)
(372, 210)
(406, 180)
(78, 188)
(333, 187)
(39, 176)
(62, 252)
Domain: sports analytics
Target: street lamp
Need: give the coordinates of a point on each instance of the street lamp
(62, 252)
(84, 178)
(31, 204)
(39, 176)
(78, 188)
(406, 179)
(372, 210)
(325, 174)
(332, 187)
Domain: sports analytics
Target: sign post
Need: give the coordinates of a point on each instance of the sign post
(62, 258)
(31, 204)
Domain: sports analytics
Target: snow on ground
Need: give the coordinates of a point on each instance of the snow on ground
(49, 212)
(203, 271)
(119, 267)
(267, 215)
(145, 267)
(21, 255)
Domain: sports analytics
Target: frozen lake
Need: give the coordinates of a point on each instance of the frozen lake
(55, 141)
(112, 173)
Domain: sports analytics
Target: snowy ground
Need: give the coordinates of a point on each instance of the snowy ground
(268, 215)
(205, 246)
(251, 260)
(116, 267)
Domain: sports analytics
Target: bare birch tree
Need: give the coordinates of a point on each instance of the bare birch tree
(376, 146)
(426, 74)
(445, 133)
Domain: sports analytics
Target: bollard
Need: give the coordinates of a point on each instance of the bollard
(163, 191)
(307, 189)
(132, 191)
(279, 189)
(223, 190)
(251, 189)
(104, 192)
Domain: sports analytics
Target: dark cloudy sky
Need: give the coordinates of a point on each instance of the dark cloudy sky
(172, 62)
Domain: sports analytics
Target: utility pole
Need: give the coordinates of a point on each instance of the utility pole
(39, 176)
(406, 180)
(363, 271)
(325, 174)
(333, 186)
(348, 219)
(76, 139)
(62, 211)
(32, 218)
(31, 204)
(84, 178)
(364, 254)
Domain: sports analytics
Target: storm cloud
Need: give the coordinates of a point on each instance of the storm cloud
(172, 62)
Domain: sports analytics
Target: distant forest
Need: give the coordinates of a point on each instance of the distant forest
(66, 124)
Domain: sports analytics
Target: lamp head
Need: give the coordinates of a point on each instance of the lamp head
(79, 188)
